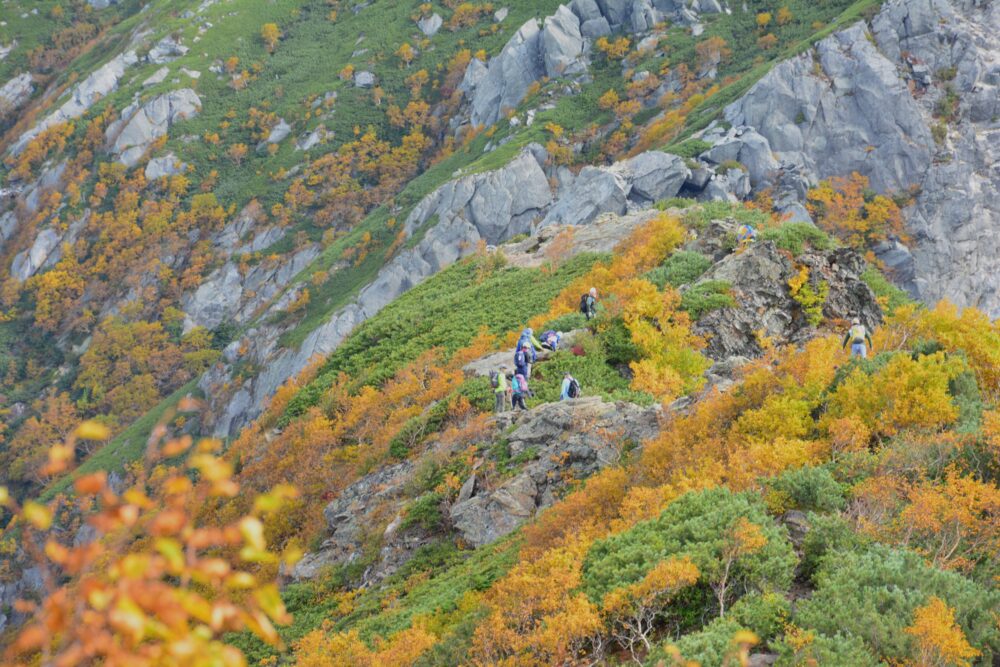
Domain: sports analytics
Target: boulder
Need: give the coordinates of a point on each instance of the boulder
(159, 76)
(28, 262)
(140, 125)
(15, 93)
(364, 79)
(508, 76)
(500, 14)
(311, 139)
(764, 304)
(429, 25)
(167, 165)
(655, 175)
(569, 440)
(595, 191)
(278, 133)
(595, 28)
(562, 44)
(166, 50)
(746, 146)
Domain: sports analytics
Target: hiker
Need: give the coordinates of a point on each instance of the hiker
(551, 340)
(498, 380)
(528, 336)
(523, 358)
(520, 388)
(857, 335)
(588, 304)
(745, 235)
(570, 388)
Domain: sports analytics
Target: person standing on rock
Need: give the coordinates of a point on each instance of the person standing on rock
(570, 388)
(588, 304)
(520, 388)
(745, 235)
(522, 360)
(857, 335)
(498, 380)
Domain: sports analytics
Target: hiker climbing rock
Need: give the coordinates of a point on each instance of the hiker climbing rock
(551, 339)
(857, 335)
(745, 235)
(523, 359)
(588, 304)
(498, 380)
(528, 337)
(519, 386)
(570, 388)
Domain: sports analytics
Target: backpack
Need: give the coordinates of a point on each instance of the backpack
(515, 385)
(495, 379)
(858, 333)
(574, 388)
(584, 306)
(520, 359)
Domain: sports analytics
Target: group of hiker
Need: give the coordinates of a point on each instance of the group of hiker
(513, 387)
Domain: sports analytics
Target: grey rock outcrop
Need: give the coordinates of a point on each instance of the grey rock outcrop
(364, 79)
(562, 44)
(429, 25)
(764, 303)
(166, 50)
(98, 84)
(166, 165)
(643, 179)
(159, 76)
(15, 93)
(227, 294)
(567, 440)
(279, 132)
(351, 517)
(28, 262)
(865, 101)
(505, 81)
(141, 124)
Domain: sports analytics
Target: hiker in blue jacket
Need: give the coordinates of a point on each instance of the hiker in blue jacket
(570, 388)
(522, 360)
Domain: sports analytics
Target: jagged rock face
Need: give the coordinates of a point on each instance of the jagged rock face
(571, 439)
(559, 48)
(140, 125)
(14, 93)
(764, 303)
(229, 295)
(866, 101)
(361, 507)
(101, 82)
(167, 165)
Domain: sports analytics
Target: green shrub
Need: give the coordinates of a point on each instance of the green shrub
(795, 237)
(828, 533)
(969, 400)
(873, 595)
(705, 297)
(710, 645)
(728, 166)
(823, 650)
(591, 368)
(809, 489)
(567, 322)
(699, 216)
(694, 525)
(425, 512)
(689, 148)
(766, 614)
(890, 296)
(681, 268)
(617, 342)
(675, 202)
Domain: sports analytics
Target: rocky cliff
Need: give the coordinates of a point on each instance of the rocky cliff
(912, 102)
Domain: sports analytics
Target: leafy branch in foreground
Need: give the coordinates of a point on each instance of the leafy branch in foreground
(151, 586)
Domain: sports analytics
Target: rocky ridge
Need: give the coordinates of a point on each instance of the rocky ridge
(876, 101)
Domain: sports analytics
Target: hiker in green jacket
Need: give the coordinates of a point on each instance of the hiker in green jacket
(857, 335)
(498, 380)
